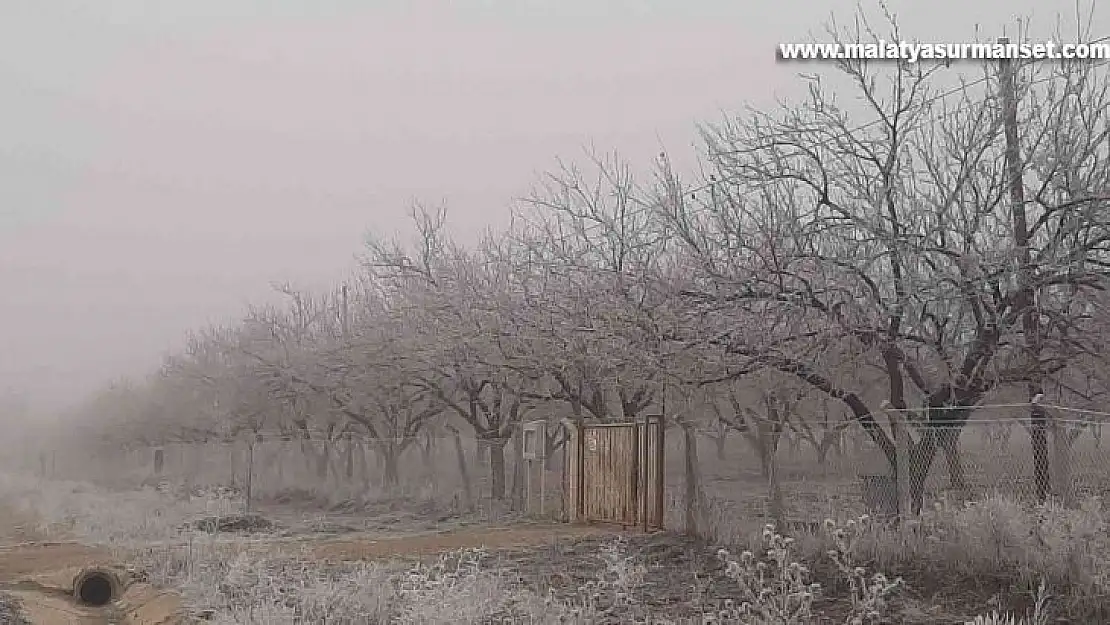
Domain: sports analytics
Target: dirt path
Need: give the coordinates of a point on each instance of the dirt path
(32, 559)
(40, 574)
(353, 548)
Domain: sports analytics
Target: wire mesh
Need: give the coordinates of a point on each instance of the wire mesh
(444, 476)
(745, 480)
(739, 481)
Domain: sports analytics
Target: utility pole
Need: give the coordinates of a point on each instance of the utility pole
(1025, 302)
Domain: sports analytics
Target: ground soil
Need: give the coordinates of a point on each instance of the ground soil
(36, 582)
(683, 576)
(38, 575)
(490, 538)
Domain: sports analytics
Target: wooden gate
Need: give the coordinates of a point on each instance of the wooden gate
(614, 473)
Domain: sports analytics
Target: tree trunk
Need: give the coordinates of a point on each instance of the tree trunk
(774, 494)
(721, 440)
(1063, 437)
(233, 464)
(765, 442)
(822, 450)
(943, 422)
(838, 444)
(193, 466)
(350, 460)
(497, 468)
(481, 452)
(281, 447)
(949, 440)
(366, 465)
(793, 442)
(391, 454)
(464, 473)
(427, 459)
(308, 457)
(921, 461)
(322, 458)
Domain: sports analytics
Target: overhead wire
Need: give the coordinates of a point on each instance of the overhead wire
(962, 88)
(982, 281)
(830, 137)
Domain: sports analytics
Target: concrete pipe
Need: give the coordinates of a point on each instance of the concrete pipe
(96, 587)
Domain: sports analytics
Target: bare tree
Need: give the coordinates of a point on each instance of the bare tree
(590, 256)
(456, 302)
(886, 247)
(823, 431)
(762, 423)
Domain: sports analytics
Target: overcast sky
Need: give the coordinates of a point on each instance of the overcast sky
(162, 162)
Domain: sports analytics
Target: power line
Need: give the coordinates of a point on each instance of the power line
(844, 134)
(984, 280)
(927, 101)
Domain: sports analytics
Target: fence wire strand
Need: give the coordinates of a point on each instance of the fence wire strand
(829, 470)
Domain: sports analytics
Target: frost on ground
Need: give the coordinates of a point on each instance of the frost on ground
(11, 612)
(948, 566)
(831, 576)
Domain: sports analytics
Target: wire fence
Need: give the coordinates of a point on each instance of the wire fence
(742, 477)
(843, 473)
(338, 476)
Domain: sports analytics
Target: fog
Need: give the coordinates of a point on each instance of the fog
(162, 163)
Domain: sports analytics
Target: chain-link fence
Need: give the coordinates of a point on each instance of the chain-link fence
(741, 478)
(445, 476)
(802, 476)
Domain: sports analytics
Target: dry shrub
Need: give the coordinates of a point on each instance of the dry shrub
(775, 588)
(994, 538)
(258, 588)
(997, 538)
(11, 610)
(1068, 548)
(111, 518)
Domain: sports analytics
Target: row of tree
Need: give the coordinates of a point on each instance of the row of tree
(909, 256)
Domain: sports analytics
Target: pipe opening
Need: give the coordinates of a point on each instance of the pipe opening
(95, 588)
